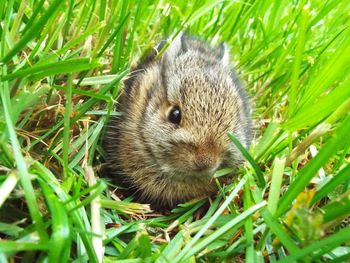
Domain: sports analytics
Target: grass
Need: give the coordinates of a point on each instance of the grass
(62, 66)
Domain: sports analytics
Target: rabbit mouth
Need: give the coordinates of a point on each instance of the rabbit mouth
(183, 173)
(209, 171)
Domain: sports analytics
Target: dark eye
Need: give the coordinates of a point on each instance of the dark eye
(174, 115)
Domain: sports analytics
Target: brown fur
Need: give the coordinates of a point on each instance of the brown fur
(167, 163)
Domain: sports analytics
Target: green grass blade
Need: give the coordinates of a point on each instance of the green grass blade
(271, 222)
(320, 247)
(339, 141)
(16, 246)
(77, 216)
(326, 105)
(206, 241)
(336, 210)
(66, 127)
(297, 60)
(60, 67)
(33, 31)
(276, 182)
(228, 200)
(172, 249)
(60, 240)
(248, 225)
(22, 165)
(249, 158)
(341, 177)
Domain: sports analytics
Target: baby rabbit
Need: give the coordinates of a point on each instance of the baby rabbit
(176, 112)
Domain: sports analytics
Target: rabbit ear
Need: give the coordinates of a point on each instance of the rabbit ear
(175, 48)
(224, 54)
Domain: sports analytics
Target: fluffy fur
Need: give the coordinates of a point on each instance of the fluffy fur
(165, 163)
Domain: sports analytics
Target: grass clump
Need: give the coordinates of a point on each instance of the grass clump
(62, 65)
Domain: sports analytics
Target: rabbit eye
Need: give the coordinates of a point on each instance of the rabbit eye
(174, 115)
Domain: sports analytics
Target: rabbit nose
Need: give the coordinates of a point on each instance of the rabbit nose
(207, 156)
(203, 163)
